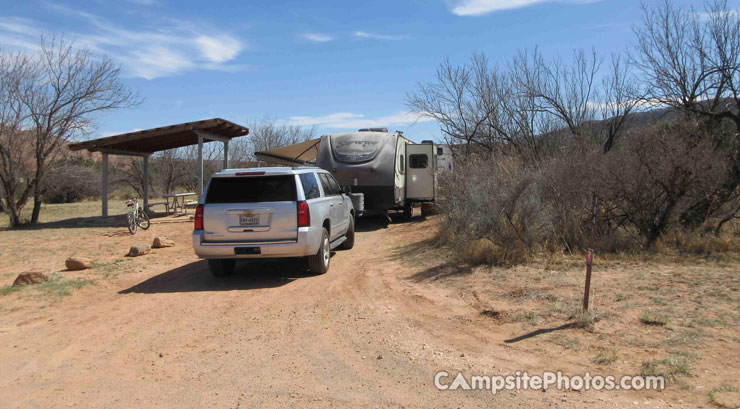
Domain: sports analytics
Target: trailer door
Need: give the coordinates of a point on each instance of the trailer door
(420, 171)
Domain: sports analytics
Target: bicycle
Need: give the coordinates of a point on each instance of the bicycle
(137, 217)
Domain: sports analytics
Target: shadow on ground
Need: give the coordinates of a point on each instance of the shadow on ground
(540, 332)
(379, 222)
(422, 251)
(441, 271)
(248, 275)
(118, 220)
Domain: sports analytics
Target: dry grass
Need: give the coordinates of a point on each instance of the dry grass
(653, 318)
(671, 313)
(725, 397)
(671, 367)
(606, 357)
(57, 212)
(56, 286)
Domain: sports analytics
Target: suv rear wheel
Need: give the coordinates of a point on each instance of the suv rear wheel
(319, 262)
(221, 267)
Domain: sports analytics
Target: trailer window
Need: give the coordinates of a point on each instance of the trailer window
(418, 161)
(401, 165)
(252, 189)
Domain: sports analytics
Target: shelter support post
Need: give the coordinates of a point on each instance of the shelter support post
(105, 185)
(146, 182)
(200, 166)
(226, 155)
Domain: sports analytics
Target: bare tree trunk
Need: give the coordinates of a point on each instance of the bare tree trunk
(15, 215)
(36, 206)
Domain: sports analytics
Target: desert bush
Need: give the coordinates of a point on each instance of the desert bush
(537, 140)
(494, 210)
(695, 242)
(71, 181)
(657, 173)
(501, 209)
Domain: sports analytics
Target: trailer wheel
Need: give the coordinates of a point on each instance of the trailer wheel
(408, 210)
(428, 209)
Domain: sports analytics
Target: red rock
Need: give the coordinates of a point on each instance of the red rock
(29, 278)
(78, 263)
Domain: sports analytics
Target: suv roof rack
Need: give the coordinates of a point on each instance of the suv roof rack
(305, 167)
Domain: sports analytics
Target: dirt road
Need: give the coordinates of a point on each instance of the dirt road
(165, 333)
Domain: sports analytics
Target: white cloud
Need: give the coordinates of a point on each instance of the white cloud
(376, 36)
(18, 25)
(219, 49)
(19, 32)
(340, 120)
(317, 37)
(173, 48)
(481, 7)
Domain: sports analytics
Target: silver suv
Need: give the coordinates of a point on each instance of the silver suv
(272, 213)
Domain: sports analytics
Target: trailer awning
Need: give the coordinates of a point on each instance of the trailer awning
(299, 154)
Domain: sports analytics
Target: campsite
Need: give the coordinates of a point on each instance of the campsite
(371, 332)
(438, 204)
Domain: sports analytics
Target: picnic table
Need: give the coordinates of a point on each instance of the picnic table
(178, 202)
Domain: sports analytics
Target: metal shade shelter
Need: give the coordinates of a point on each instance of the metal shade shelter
(298, 154)
(146, 142)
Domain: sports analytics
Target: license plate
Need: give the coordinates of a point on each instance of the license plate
(248, 220)
(247, 250)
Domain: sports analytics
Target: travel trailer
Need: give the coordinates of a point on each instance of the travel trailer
(392, 171)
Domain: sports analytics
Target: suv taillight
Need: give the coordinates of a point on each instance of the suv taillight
(304, 216)
(198, 218)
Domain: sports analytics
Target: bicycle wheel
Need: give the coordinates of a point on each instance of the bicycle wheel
(144, 220)
(131, 222)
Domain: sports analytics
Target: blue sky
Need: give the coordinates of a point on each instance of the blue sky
(338, 65)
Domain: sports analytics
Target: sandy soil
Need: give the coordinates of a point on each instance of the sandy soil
(160, 331)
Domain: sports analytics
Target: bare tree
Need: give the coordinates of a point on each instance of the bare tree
(172, 168)
(461, 100)
(16, 154)
(620, 97)
(51, 96)
(522, 108)
(564, 91)
(266, 134)
(691, 62)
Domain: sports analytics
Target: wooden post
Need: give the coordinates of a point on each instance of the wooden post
(590, 256)
(200, 166)
(105, 185)
(146, 183)
(226, 155)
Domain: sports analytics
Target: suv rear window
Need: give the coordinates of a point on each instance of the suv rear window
(310, 186)
(252, 189)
